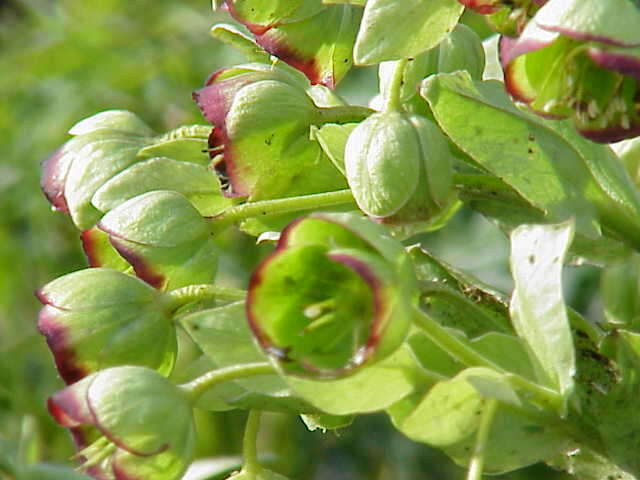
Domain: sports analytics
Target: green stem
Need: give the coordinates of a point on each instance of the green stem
(280, 205)
(462, 352)
(477, 460)
(392, 102)
(198, 386)
(193, 293)
(343, 114)
(250, 465)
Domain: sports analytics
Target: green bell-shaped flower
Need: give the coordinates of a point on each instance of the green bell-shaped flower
(335, 295)
(398, 166)
(98, 318)
(129, 423)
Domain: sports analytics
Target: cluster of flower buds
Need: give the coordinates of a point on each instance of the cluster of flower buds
(580, 59)
(336, 294)
(507, 17)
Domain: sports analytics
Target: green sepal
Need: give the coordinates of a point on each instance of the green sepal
(333, 139)
(196, 182)
(164, 238)
(324, 422)
(97, 318)
(395, 29)
(112, 120)
(187, 144)
(320, 46)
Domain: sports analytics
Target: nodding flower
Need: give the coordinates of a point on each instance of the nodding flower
(336, 294)
(129, 423)
(573, 61)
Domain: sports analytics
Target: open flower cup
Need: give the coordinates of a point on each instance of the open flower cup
(580, 59)
(335, 294)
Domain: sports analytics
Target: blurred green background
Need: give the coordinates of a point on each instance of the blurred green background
(61, 61)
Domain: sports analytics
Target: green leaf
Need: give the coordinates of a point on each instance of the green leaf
(459, 300)
(448, 415)
(395, 29)
(187, 144)
(51, 472)
(538, 310)
(619, 288)
(373, 388)
(333, 139)
(224, 336)
(588, 465)
(194, 181)
(324, 422)
(232, 36)
(523, 151)
(515, 441)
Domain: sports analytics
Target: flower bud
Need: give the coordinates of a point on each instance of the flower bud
(336, 294)
(164, 238)
(97, 318)
(398, 166)
(573, 61)
(313, 38)
(103, 145)
(260, 142)
(143, 424)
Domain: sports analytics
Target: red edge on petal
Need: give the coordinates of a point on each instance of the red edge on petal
(89, 241)
(617, 62)
(289, 55)
(512, 87)
(611, 135)
(53, 179)
(63, 353)
(586, 37)
(95, 421)
(66, 409)
(254, 284)
(252, 27)
(510, 48)
(214, 102)
(140, 267)
(374, 283)
(480, 6)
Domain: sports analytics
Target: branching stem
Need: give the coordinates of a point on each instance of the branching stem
(195, 388)
(278, 206)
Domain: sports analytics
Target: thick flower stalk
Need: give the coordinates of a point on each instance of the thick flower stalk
(580, 59)
(335, 294)
(130, 423)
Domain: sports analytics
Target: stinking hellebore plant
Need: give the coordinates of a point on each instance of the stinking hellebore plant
(345, 316)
